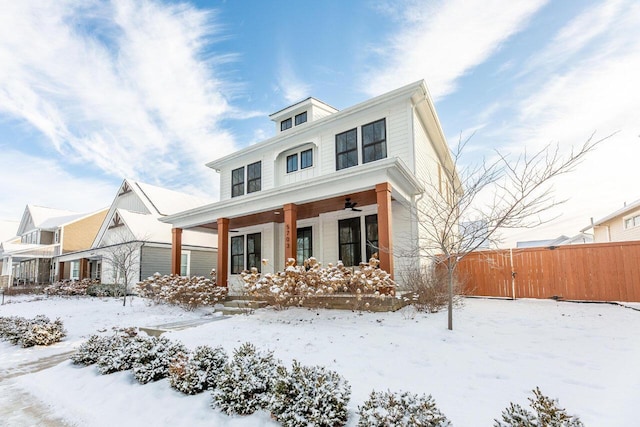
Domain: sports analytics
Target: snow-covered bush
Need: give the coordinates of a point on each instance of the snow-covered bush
(246, 381)
(406, 409)
(428, 288)
(89, 351)
(151, 357)
(546, 414)
(69, 287)
(30, 332)
(117, 354)
(299, 282)
(309, 396)
(187, 292)
(195, 372)
(105, 290)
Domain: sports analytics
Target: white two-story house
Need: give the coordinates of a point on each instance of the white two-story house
(335, 185)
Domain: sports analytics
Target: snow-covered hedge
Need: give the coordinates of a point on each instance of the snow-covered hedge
(117, 355)
(152, 356)
(198, 371)
(298, 282)
(547, 414)
(309, 396)
(246, 381)
(30, 332)
(187, 292)
(400, 409)
(89, 351)
(70, 287)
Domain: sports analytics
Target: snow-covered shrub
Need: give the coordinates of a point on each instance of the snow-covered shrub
(546, 414)
(195, 372)
(89, 351)
(117, 354)
(297, 283)
(428, 288)
(69, 287)
(30, 332)
(246, 381)
(151, 357)
(406, 409)
(105, 290)
(309, 396)
(187, 292)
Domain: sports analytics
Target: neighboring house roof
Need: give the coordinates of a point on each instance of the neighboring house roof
(628, 208)
(167, 202)
(147, 228)
(558, 241)
(45, 218)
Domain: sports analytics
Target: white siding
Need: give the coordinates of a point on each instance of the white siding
(131, 202)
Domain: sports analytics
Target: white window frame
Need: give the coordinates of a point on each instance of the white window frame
(185, 265)
(74, 273)
(634, 220)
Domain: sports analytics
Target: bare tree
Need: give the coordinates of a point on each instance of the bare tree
(123, 255)
(469, 205)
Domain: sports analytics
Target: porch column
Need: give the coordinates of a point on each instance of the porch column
(83, 268)
(176, 250)
(222, 272)
(290, 231)
(385, 243)
(60, 271)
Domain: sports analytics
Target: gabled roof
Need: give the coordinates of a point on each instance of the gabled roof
(45, 218)
(159, 202)
(148, 228)
(620, 212)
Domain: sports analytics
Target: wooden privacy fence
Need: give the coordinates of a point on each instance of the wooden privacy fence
(589, 272)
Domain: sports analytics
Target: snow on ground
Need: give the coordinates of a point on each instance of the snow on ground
(584, 354)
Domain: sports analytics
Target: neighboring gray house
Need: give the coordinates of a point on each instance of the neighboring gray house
(578, 239)
(134, 218)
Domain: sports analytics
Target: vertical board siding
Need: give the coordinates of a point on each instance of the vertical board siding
(590, 272)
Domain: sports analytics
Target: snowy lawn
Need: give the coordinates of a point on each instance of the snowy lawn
(584, 354)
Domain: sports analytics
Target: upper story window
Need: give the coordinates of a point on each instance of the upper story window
(346, 149)
(254, 177)
(306, 159)
(301, 118)
(286, 124)
(634, 221)
(237, 182)
(374, 141)
(292, 163)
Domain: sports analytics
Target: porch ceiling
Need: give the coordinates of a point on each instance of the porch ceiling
(305, 210)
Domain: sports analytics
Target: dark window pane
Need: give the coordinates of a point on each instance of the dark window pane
(254, 177)
(306, 159)
(346, 149)
(237, 254)
(301, 118)
(371, 226)
(254, 250)
(292, 163)
(374, 142)
(285, 124)
(349, 241)
(304, 245)
(237, 182)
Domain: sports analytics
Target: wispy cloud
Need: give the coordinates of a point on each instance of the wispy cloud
(121, 85)
(293, 89)
(443, 40)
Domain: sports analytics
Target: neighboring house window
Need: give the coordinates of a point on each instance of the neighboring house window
(237, 182)
(98, 270)
(304, 245)
(371, 231)
(285, 124)
(374, 141)
(306, 159)
(75, 270)
(632, 222)
(349, 241)
(346, 149)
(56, 237)
(237, 254)
(254, 177)
(301, 118)
(254, 250)
(292, 163)
(185, 263)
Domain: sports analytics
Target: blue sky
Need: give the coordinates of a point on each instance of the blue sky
(95, 91)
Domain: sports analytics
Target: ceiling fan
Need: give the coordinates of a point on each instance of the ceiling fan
(348, 204)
